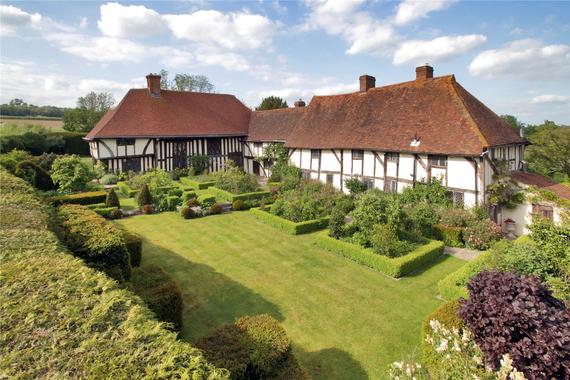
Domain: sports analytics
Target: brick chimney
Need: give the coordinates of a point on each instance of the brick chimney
(153, 85)
(424, 72)
(300, 103)
(367, 82)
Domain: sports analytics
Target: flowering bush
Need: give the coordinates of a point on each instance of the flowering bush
(456, 217)
(235, 180)
(311, 200)
(482, 235)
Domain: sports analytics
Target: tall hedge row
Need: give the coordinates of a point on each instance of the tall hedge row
(67, 143)
(62, 319)
(90, 237)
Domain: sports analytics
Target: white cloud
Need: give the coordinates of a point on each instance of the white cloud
(83, 23)
(364, 33)
(550, 99)
(26, 82)
(125, 21)
(524, 58)
(421, 51)
(229, 61)
(12, 18)
(412, 10)
(232, 30)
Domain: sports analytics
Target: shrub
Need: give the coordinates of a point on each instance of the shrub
(432, 193)
(266, 341)
(109, 212)
(527, 260)
(423, 215)
(95, 240)
(126, 190)
(289, 226)
(69, 173)
(376, 207)
(224, 348)
(235, 180)
(216, 208)
(200, 183)
(86, 198)
(519, 316)
(34, 175)
(482, 234)
(456, 217)
(109, 179)
(133, 242)
(448, 316)
(238, 205)
(451, 236)
(188, 213)
(206, 200)
(553, 239)
(384, 241)
(112, 199)
(11, 159)
(187, 195)
(199, 163)
(311, 200)
(395, 267)
(355, 185)
(144, 197)
(160, 292)
(175, 192)
(173, 201)
(337, 223)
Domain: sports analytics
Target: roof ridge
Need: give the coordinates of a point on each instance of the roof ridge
(282, 109)
(473, 125)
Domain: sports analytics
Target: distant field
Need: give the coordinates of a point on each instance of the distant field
(44, 122)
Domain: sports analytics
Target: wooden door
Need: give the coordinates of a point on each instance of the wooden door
(256, 168)
(179, 155)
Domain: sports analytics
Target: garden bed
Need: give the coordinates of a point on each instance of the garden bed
(288, 226)
(197, 183)
(394, 267)
(230, 197)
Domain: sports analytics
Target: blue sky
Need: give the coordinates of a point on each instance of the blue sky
(514, 56)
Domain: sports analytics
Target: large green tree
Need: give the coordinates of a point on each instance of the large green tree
(271, 103)
(186, 82)
(549, 153)
(515, 123)
(90, 109)
(98, 102)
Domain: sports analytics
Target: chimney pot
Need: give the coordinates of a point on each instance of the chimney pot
(367, 82)
(424, 72)
(153, 85)
(300, 103)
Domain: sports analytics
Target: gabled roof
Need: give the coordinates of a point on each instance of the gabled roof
(534, 179)
(441, 113)
(174, 114)
(274, 125)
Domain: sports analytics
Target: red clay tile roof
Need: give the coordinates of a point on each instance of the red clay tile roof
(174, 114)
(533, 179)
(445, 117)
(274, 125)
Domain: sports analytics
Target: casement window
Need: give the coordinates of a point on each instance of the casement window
(546, 212)
(392, 157)
(315, 153)
(457, 198)
(257, 145)
(369, 183)
(124, 142)
(131, 164)
(330, 179)
(357, 154)
(214, 147)
(391, 186)
(437, 161)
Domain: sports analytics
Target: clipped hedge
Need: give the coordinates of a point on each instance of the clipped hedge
(187, 195)
(126, 190)
(173, 201)
(160, 292)
(86, 198)
(96, 205)
(206, 200)
(92, 238)
(289, 226)
(451, 236)
(196, 184)
(62, 319)
(133, 242)
(453, 286)
(394, 267)
(108, 212)
(448, 316)
(229, 197)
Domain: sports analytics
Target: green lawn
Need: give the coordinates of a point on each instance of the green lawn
(345, 321)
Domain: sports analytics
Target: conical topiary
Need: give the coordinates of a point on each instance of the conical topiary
(112, 199)
(144, 197)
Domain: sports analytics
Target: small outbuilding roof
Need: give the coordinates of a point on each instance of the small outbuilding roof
(274, 125)
(534, 179)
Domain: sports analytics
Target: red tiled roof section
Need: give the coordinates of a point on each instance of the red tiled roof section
(534, 179)
(445, 117)
(274, 125)
(174, 114)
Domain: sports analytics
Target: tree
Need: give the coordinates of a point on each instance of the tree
(69, 173)
(144, 197)
(549, 153)
(80, 120)
(271, 103)
(515, 123)
(98, 102)
(186, 82)
(112, 199)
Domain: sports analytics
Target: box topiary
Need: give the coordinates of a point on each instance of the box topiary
(206, 200)
(173, 201)
(112, 199)
(175, 192)
(133, 243)
(187, 195)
